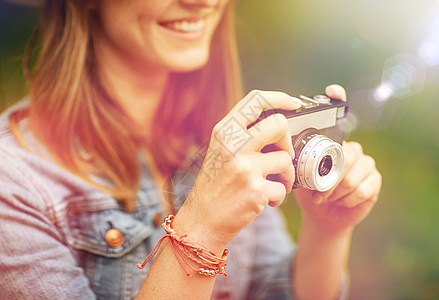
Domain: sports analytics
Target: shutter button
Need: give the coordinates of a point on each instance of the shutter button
(114, 238)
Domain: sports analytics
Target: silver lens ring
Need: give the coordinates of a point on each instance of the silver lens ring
(314, 156)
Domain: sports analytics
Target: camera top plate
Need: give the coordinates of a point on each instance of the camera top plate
(316, 105)
(309, 107)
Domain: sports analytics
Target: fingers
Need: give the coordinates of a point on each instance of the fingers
(360, 181)
(278, 163)
(250, 108)
(274, 175)
(277, 193)
(232, 132)
(335, 91)
(353, 151)
(272, 130)
(367, 190)
(354, 178)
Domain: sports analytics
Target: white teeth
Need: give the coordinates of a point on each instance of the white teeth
(186, 26)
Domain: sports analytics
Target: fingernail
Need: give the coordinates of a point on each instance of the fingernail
(336, 88)
(337, 91)
(297, 101)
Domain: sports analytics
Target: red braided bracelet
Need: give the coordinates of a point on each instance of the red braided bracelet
(211, 264)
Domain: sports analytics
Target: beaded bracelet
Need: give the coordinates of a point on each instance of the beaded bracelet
(211, 264)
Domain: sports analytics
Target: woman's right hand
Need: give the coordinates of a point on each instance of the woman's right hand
(232, 188)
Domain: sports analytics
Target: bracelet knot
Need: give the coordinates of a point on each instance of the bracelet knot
(190, 253)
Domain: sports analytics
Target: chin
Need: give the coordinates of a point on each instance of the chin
(188, 63)
(187, 68)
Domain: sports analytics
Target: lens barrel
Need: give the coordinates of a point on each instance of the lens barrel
(319, 161)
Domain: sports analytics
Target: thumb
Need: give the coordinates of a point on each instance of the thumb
(335, 91)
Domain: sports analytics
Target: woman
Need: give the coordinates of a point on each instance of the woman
(122, 95)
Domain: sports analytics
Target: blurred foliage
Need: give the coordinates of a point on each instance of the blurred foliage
(300, 47)
(16, 26)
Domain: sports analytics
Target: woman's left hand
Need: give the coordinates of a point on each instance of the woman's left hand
(352, 198)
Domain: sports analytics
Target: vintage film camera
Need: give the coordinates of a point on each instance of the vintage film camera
(317, 131)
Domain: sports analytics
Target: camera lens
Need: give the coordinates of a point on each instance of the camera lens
(319, 160)
(325, 165)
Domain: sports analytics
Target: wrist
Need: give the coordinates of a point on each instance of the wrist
(325, 230)
(191, 256)
(315, 238)
(197, 232)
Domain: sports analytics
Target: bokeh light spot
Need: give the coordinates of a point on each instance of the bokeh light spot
(404, 75)
(382, 94)
(429, 51)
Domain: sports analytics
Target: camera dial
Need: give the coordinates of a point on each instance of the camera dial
(318, 160)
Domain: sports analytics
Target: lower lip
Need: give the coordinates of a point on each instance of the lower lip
(194, 35)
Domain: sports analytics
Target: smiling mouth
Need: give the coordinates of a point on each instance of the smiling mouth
(185, 26)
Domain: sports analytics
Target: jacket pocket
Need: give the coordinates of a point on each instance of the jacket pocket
(111, 267)
(89, 221)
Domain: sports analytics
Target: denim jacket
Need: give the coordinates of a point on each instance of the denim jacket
(53, 228)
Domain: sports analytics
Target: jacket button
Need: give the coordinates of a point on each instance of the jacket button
(157, 219)
(114, 238)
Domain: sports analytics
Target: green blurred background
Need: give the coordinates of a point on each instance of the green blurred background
(386, 54)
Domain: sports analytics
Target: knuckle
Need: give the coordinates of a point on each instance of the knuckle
(363, 193)
(379, 181)
(349, 182)
(280, 120)
(278, 195)
(370, 162)
(283, 193)
(356, 147)
(242, 166)
(254, 92)
(348, 159)
(216, 129)
(285, 157)
(221, 155)
(255, 187)
(288, 164)
(256, 194)
(353, 153)
(258, 209)
(278, 124)
(283, 94)
(380, 177)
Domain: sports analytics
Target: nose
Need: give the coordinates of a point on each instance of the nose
(201, 3)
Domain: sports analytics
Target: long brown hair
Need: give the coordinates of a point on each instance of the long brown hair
(88, 133)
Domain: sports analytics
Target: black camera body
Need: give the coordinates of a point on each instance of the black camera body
(317, 131)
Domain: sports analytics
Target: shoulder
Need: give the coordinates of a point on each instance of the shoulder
(19, 157)
(10, 143)
(28, 173)
(13, 156)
